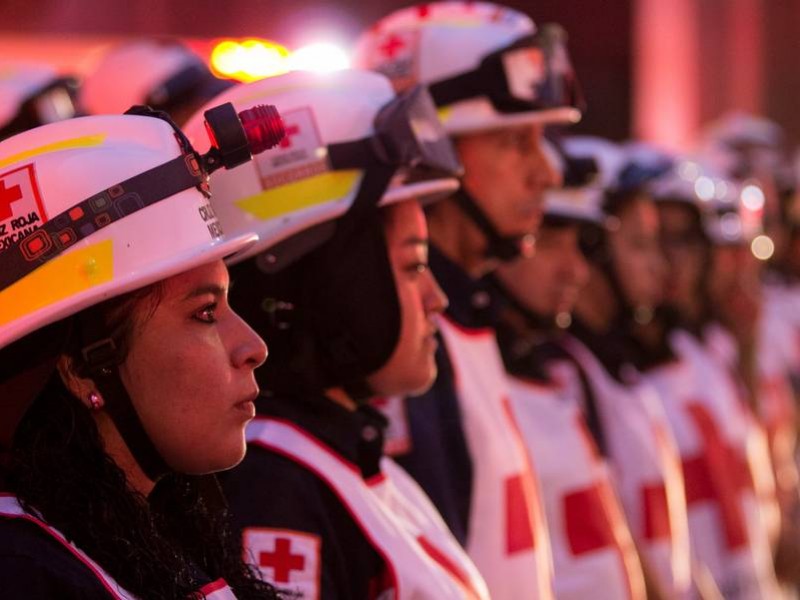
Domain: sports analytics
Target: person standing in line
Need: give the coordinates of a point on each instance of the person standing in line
(718, 437)
(348, 305)
(590, 538)
(126, 380)
(498, 81)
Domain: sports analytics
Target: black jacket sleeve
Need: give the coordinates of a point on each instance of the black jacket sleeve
(34, 566)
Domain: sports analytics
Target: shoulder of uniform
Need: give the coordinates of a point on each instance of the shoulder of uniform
(33, 564)
(268, 489)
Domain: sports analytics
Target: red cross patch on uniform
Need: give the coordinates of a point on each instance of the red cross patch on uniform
(21, 209)
(298, 156)
(288, 559)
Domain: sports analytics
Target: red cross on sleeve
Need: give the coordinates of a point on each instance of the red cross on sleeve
(282, 561)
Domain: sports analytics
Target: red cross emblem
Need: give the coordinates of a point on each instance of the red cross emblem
(588, 522)
(718, 474)
(21, 208)
(657, 524)
(291, 131)
(523, 511)
(282, 561)
(392, 46)
(286, 558)
(594, 519)
(7, 196)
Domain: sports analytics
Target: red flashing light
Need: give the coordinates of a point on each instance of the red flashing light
(263, 127)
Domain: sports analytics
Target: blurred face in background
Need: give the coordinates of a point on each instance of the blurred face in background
(686, 254)
(633, 245)
(507, 171)
(734, 288)
(411, 369)
(548, 282)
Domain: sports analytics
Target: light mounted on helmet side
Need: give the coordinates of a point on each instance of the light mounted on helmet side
(236, 137)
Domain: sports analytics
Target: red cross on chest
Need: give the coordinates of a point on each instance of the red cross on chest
(7, 196)
(282, 561)
(719, 474)
(587, 520)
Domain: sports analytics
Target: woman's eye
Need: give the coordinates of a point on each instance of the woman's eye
(207, 314)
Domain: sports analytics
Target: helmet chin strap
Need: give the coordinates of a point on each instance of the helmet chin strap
(503, 247)
(626, 313)
(535, 321)
(102, 359)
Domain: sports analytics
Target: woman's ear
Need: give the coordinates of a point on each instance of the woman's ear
(82, 388)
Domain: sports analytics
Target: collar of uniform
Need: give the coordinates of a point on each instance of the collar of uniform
(357, 436)
(609, 347)
(527, 354)
(471, 303)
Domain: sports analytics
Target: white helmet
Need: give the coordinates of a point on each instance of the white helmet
(349, 140)
(591, 166)
(487, 65)
(742, 145)
(731, 212)
(33, 94)
(162, 74)
(94, 207)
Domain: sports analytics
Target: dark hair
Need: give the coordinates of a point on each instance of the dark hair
(331, 318)
(154, 546)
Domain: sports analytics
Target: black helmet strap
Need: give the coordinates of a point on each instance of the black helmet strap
(503, 247)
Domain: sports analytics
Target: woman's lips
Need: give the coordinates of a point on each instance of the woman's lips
(247, 406)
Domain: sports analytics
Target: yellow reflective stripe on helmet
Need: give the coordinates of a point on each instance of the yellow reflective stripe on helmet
(64, 276)
(86, 141)
(444, 113)
(297, 195)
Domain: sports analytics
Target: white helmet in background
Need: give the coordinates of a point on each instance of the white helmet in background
(731, 212)
(162, 74)
(590, 166)
(742, 145)
(350, 141)
(326, 297)
(33, 94)
(487, 66)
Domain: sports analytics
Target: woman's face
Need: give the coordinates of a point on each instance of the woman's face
(686, 252)
(548, 283)
(411, 369)
(189, 372)
(507, 171)
(636, 254)
(734, 288)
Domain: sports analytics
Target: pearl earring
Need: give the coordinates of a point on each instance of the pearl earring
(96, 401)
